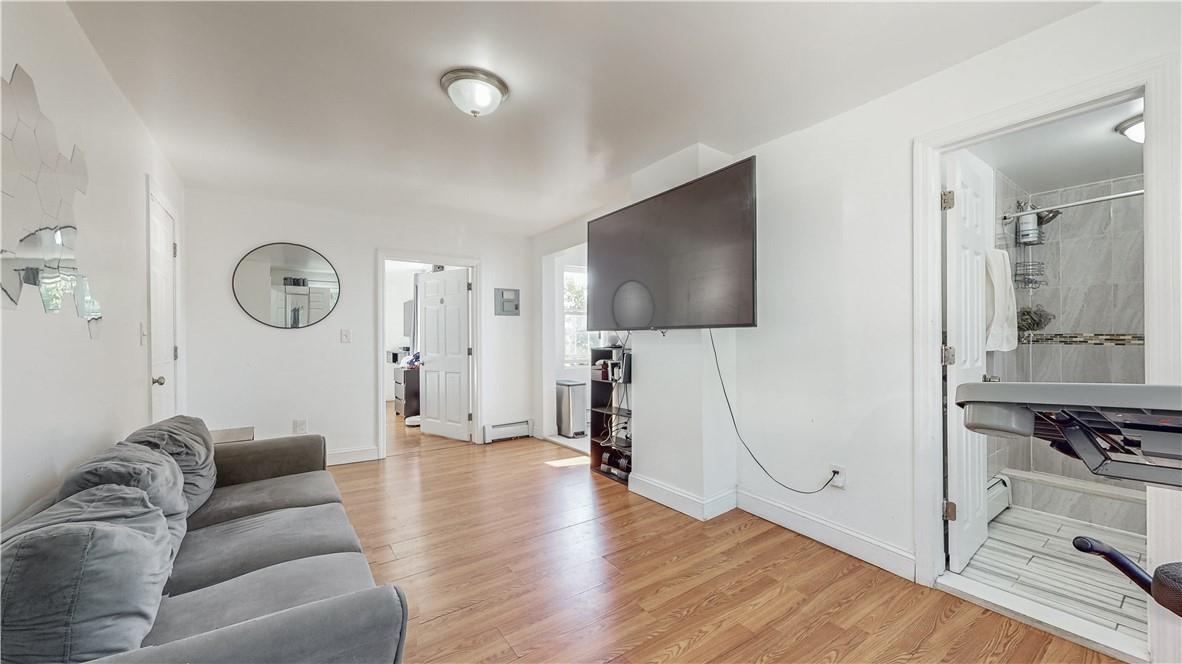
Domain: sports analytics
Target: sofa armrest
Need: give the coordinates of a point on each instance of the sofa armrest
(253, 460)
(364, 626)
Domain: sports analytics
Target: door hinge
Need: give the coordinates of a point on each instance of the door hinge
(469, 285)
(176, 353)
(469, 351)
(949, 510)
(947, 355)
(174, 249)
(469, 417)
(947, 200)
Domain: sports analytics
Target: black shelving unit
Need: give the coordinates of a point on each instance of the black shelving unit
(611, 418)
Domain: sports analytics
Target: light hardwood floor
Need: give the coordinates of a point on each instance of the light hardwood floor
(515, 552)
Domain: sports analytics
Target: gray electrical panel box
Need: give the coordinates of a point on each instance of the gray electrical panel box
(507, 301)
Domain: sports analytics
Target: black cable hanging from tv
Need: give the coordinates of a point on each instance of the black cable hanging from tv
(735, 423)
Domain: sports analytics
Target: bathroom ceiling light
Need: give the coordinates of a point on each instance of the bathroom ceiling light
(1133, 129)
(474, 91)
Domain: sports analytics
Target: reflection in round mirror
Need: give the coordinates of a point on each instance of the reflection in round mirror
(286, 285)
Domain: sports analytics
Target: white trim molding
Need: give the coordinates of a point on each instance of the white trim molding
(857, 544)
(352, 455)
(702, 509)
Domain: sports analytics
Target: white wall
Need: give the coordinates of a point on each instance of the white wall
(65, 396)
(246, 373)
(553, 343)
(400, 287)
(835, 280)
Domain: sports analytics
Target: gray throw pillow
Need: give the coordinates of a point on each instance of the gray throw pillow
(74, 589)
(188, 441)
(144, 468)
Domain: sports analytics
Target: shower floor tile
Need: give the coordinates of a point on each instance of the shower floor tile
(1030, 554)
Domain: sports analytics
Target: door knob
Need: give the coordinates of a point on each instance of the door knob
(158, 380)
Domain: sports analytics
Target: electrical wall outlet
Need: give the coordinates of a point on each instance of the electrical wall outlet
(839, 479)
(346, 336)
(299, 426)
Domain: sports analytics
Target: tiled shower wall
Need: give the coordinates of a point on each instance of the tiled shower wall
(1095, 268)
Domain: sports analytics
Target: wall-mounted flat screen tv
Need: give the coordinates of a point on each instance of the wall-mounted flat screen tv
(684, 258)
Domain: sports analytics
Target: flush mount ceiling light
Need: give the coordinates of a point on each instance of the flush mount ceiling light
(1133, 129)
(474, 91)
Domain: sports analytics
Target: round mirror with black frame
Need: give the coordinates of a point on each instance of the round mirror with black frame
(286, 285)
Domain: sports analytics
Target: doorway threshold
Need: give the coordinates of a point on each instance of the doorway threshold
(579, 444)
(1060, 623)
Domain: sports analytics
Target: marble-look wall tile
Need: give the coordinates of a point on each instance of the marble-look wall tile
(1085, 221)
(1126, 363)
(1085, 261)
(1128, 309)
(1046, 363)
(1086, 308)
(1085, 364)
(1084, 506)
(1045, 459)
(1128, 257)
(1128, 213)
(1049, 298)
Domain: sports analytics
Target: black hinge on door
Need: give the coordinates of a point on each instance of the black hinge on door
(469, 417)
(469, 351)
(176, 353)
(469, 285)
(947, 200)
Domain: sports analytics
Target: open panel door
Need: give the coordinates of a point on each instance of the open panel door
(968, 232)
(162, 305)
(445, 374)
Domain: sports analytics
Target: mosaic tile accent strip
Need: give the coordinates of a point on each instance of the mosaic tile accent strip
(1083, 339)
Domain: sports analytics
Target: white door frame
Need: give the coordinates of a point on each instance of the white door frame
(1163, 293)
(476, 324)
(155, 193)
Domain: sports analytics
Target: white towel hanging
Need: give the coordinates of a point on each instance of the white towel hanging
(1001, 307)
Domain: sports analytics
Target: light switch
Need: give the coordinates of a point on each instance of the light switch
(346, 336)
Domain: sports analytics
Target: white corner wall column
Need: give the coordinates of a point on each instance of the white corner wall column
(684, 456)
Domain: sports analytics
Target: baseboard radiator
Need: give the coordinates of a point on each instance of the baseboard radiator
(997, 494)
(495, 432)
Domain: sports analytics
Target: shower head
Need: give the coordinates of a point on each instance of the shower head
(1047, 216)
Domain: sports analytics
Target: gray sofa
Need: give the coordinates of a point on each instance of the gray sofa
(269, 570)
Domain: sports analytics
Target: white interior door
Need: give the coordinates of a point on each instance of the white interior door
(968, 236)
(162, 309)
(445, 375)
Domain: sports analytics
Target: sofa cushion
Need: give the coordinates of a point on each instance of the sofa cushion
(259, 593)
(140, 467)
(73, 589)
(232, 548)
(239, 500)
(188, 441)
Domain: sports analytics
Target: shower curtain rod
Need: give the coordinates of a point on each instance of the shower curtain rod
(1099, 199)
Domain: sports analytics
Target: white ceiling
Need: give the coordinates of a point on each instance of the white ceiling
(1075, 150)
(338, 104)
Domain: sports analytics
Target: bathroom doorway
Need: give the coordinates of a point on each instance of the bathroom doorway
(1054, 215)
(965, 479)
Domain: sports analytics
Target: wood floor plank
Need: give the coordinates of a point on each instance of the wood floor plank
(516, 552)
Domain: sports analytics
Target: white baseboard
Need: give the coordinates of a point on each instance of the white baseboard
(1060, 623)
(354, 455)
(862, 546)
(702, 509)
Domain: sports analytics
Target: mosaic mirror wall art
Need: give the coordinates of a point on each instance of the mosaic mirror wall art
(40, 233)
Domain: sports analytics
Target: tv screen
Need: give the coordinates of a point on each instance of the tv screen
(684, 258)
